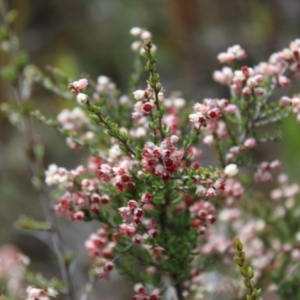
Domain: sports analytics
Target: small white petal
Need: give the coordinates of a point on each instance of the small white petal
(231, 170)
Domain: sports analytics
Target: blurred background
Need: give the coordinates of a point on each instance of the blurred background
(92, 36)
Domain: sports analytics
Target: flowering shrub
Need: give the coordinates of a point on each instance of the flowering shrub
(166, 223)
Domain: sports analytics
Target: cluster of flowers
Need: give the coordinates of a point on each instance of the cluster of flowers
(164, 160)
(143, 35)
(119, 175)
(252, 232)
(263, 170)
(85, 199)
(145, 106)
(209, 110)
(236, 150)
(75, 122)
(286, 60)
(100, 247)
(104, 86)
(76, 87)
(146, 102)
(134, 222)
(203, 213)
(294, 103)
(233, 53)
(246, 80)
(286, 192)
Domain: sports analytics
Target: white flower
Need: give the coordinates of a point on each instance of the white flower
(135, 46)
(139, 94)
(82, 98)
(114, 151)
(174, 139)
(231, 170)
(135, 31)
(193, 118)
(200, 190)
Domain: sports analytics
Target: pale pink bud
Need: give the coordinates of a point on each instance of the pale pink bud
(295, 101)
(287, 54)
(146, 35)
(284, 81)
(286, 101)
(151, 270)
(275, 165)
(276, 194)
(250, 143)
(222, 57)
(208, 140)
(235, 88)
(210, 193)
(287, 248)
(135, 46)
(80, 84)
(258, 78)
(222, 103)
(231, 108)
(234, 150)
(283, 178)
(247, 91)
(218, 76)
(259, 91)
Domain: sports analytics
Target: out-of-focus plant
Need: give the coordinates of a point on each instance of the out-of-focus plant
(165, 222)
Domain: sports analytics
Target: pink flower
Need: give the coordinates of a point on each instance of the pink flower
(78, 86)
(161, 161)
(250, 143)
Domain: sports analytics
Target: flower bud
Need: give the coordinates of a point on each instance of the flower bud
(135, 31)
(231, 170)
(139, 94)
(174, 139)
(82, 98)
(109, 266)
